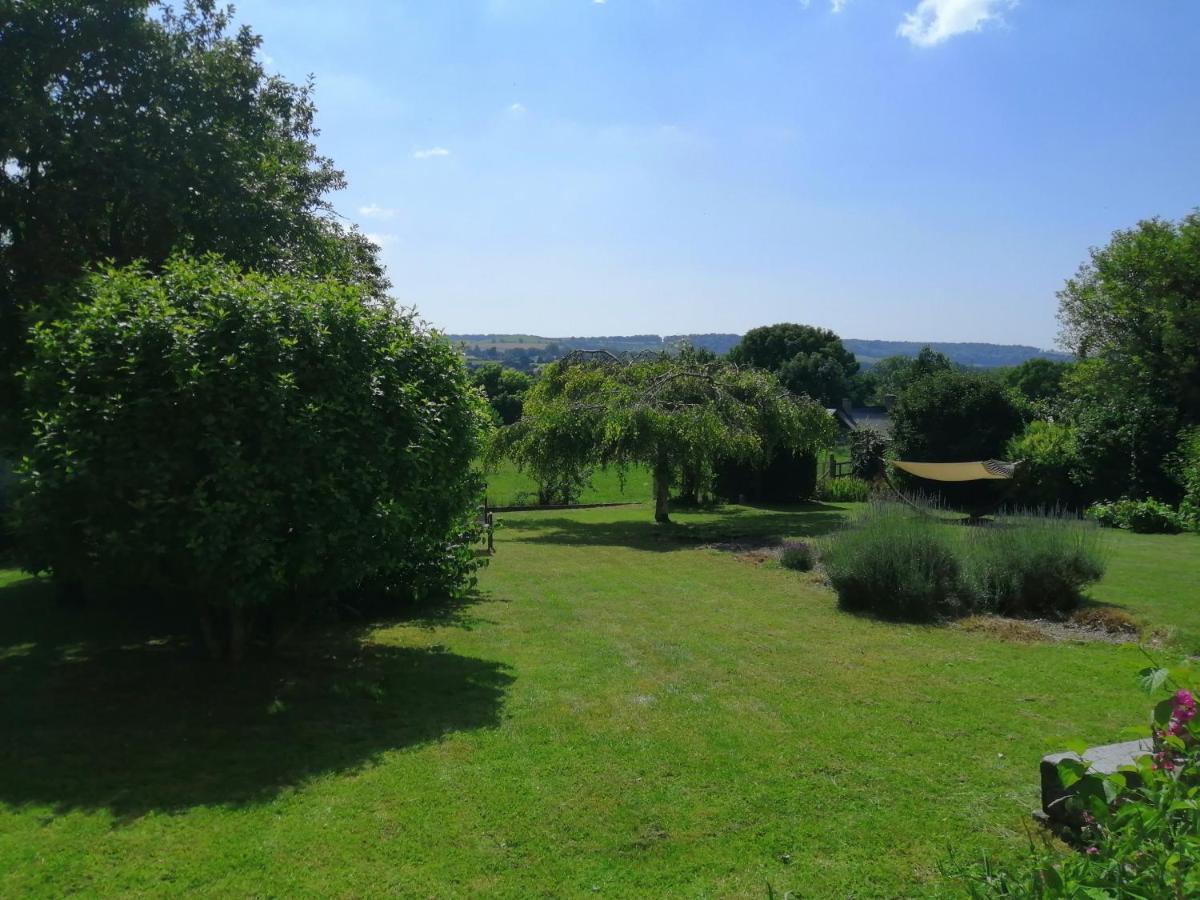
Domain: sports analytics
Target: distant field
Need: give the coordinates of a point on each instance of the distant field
(508, 487)
(505, 345)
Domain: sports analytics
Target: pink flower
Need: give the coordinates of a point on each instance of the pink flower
(1093, 851)
(1183, 697)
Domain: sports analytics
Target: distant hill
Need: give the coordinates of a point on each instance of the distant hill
(978, 355)
(984, 356)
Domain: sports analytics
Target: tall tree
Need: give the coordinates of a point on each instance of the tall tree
(953, 417)
(1037, 379)
(677, 414)
(1133, 314)
(806, 359)
(1136, 304)
(130, 131)
(893, 375)
(504, 388)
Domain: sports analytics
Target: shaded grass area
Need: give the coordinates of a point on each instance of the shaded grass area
(619, 711)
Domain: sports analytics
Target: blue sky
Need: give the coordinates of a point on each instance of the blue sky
(901, 169)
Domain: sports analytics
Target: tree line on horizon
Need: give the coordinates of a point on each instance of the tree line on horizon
(526, 352)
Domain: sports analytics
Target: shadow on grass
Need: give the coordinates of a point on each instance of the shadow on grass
(134, 719)
(724, 524)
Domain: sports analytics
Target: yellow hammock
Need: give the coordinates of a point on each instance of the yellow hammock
(984, 470)
(988, 469)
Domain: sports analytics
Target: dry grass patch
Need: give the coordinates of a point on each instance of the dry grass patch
(1106, 618)
(1012, 630)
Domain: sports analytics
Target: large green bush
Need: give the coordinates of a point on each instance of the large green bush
(1140, 516)
(1046, 451)
(785, 477)
(246, 444)
(1031, 565)
(1184, 467)
(953, 417)
(896, 564)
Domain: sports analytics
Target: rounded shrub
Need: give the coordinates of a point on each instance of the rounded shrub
(1047, 454)
(246, 445)
(797, 555)
(1141, 516)
(895, 564)
(1031, 565)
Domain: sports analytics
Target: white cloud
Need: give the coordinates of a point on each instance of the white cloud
(430, 153)
(934, 21)
(837, 5)
(517, 109)
(375, 211)
(381, 240)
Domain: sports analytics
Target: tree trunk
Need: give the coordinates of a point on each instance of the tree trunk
(662, 491)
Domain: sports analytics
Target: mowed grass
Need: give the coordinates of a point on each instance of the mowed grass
(622, 712)
(508, 487)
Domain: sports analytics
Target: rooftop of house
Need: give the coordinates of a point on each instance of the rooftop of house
(876, 417)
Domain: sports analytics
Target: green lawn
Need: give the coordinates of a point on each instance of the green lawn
(621, 712)
(508, 487)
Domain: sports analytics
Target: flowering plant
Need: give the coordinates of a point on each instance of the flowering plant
(1138, 828)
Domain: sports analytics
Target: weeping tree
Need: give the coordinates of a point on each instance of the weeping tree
(677, 414)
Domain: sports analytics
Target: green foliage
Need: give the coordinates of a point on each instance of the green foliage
(680, 415)
(893, 375)
(1031, 565)
(846, 489)
(1136, 304)
(1046, 451)
(785, 476)
(1140, 516)
(1133, 313)
(1138, 829)
(797, 555)
(246, 443)
(868, 447)
(6, 487)
(504, 388)
(162, 132)
(896, 564)
(1184, 466)
(807, 360)
(953, 417)
(1124, 430)
(1038, 380)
